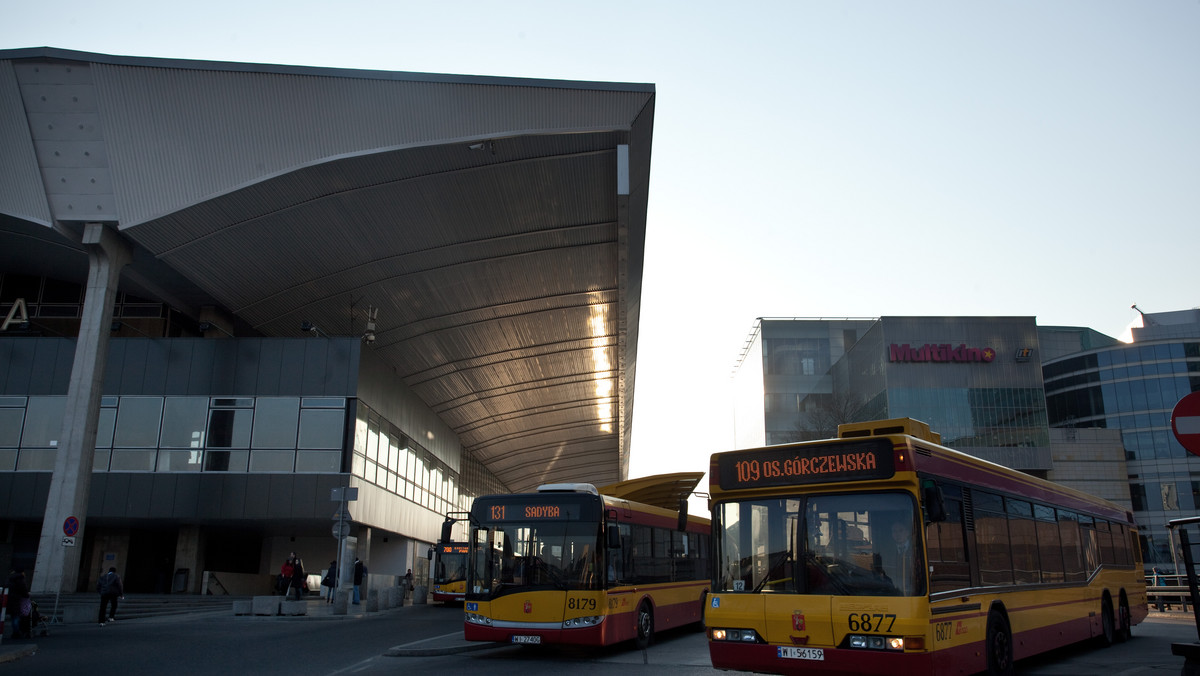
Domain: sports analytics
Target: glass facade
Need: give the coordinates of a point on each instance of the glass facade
(183, 434)
(1134, 388)
(974, 380)
(395, 462)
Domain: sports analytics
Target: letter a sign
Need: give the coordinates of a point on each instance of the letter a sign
(1185, 422)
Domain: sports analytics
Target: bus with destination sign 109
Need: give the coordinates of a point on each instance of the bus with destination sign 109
(883, 551)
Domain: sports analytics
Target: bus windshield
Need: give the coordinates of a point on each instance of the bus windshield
(859, 544)
(516, 556)
(451, 564)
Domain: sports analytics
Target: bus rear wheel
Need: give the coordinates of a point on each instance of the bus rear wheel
(1125, 625)
(999, 645)
(645, 626)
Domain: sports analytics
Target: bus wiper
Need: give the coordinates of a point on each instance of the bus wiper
(787, 557)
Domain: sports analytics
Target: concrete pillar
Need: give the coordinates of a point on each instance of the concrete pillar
(57, 567)
(188, 554)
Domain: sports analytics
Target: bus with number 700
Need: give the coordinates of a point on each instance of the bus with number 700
(571, 565)
(883, 551)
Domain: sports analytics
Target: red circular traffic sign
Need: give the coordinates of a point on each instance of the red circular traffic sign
(1185, 422)
(71, 526)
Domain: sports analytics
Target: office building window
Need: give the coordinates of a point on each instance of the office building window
(275, 423)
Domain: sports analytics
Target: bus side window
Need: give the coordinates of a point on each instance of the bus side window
(945, 544)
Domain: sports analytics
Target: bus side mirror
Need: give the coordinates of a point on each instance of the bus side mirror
(447, 528)
(429, 554)
(614, 536)
(935, 502)
(682, 525)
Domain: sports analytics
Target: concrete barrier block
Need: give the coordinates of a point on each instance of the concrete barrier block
(267, 605)
(393, 597)
(243, 607)
(341, 601)
(293, 608)
(373, 601)
(80, 614)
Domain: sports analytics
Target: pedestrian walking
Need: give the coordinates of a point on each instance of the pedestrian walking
(18, 596)
(408, 587)
(360, 572)
(299, 579)
(110, 589)
(330, 581)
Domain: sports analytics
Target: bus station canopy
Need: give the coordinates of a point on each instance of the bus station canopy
(495, 225)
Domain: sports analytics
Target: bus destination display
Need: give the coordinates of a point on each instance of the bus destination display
(456, 548)
(541, 511)
(806, 464)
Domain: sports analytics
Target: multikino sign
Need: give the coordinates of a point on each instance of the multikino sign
(944, 353)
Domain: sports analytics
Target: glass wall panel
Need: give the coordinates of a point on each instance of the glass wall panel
(272, 461)
(229, 428)
(184, 421)
(105, 427)
(132, 460)
(8, 459)
(225, 461)
(322, 428)
(11, 421)
(100, 461)
(180, 461)
(326, 462)
(138, 422)
(276, 420)
(36, 460)
(43, 421)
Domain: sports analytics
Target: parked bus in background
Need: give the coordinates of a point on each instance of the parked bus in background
(882, 551)
(568, 564)
(449, 572)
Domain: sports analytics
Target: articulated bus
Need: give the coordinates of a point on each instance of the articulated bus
(449, 572)
(569, 565)
(882, 551)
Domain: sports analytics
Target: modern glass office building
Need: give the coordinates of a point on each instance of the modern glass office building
(975, 380)
(1133, 388)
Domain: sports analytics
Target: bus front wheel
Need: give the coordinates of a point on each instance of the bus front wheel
(1108, 632)
(645, 626)
(999, 645)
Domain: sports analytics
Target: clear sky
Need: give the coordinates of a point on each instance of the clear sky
(811, 159)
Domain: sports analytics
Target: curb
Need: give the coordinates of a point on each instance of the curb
(10, 655)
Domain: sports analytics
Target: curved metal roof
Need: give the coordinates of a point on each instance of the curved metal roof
(495, 224)
(659, 490)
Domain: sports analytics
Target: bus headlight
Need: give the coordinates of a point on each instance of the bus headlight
(742, 635)
(577, 622)
(473, 618)
(866, 642)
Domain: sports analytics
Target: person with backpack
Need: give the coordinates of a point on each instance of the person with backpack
(110, 588)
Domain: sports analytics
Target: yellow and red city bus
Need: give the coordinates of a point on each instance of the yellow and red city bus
(449, 572)
(812, 573)
(569, 565)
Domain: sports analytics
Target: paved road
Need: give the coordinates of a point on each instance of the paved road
(427, 640)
